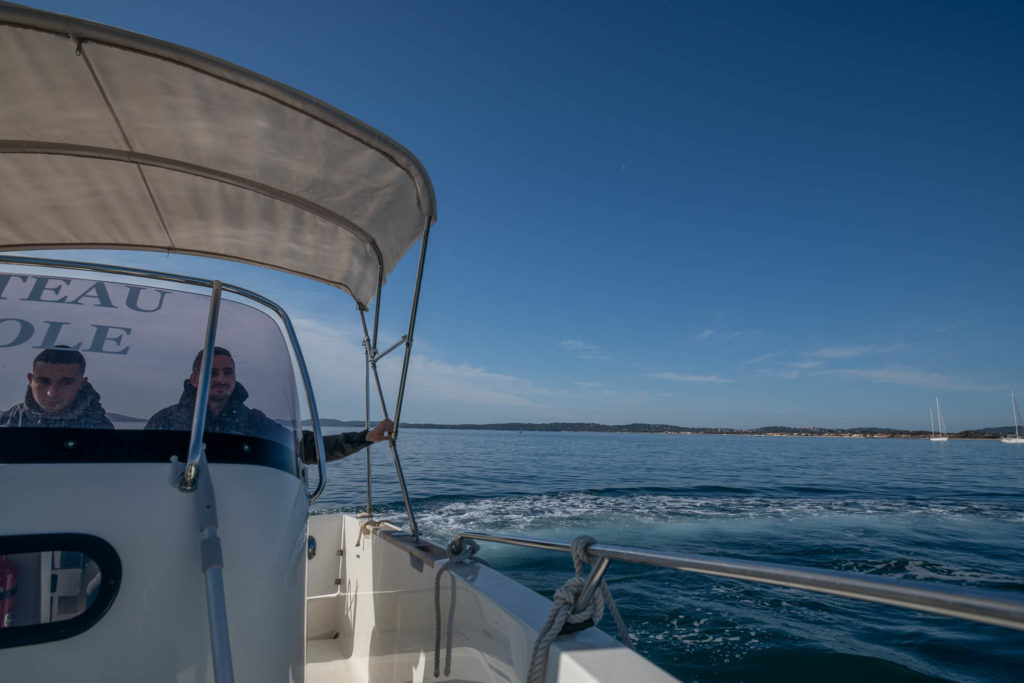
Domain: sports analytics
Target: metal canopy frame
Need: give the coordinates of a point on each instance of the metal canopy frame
(373, 356)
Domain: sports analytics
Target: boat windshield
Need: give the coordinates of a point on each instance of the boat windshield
(138, 340)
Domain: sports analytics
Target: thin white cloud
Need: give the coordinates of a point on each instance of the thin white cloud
(701, 379)
(437, 391)
(776, 372)
(836, 352)
(761, 359)
(436, 380)
(575, 345)
(583, 349)
(707, 333)
(804, 364)
(952, 326)
(337, 366)
(910, 377)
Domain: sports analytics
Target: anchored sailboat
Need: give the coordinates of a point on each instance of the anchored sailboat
(1016, 438)
(941, 435)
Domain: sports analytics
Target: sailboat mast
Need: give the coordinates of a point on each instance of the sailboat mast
(1016, 415)
(931, 419)
(938, 413)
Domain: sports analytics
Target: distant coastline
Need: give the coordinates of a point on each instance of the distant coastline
(647, 428)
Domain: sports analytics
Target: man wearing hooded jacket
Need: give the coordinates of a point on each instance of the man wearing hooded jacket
(58, 395)
(226, 412)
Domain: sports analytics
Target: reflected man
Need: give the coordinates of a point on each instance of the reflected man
(58, 395)
(226, 412)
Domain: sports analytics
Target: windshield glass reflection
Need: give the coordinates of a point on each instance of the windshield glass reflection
(105, 354)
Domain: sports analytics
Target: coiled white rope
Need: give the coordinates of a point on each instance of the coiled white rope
(464, 555)
(564, 599)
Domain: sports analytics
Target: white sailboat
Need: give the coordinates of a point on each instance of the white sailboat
(941, 434)
(1016, 438)
(190, 555)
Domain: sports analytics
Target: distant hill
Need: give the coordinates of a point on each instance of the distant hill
(648, 428)
(995, 430)
(331, 422)
(117, 417)
(641, 428)
(635, 427)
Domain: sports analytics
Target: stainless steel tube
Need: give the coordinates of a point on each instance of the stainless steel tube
(412, 323)
(314, 416)
(372, 360)
(965, 603)
(195, 446)
(593, 581)
(211, 557)
(366, 391)
(391, 348)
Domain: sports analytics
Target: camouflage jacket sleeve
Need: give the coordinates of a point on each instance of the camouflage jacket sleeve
(336, 446)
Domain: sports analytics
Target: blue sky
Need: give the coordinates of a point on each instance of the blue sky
(720, 214)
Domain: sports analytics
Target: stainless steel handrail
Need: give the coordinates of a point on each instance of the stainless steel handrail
(973, 604)
(195, 445)
(314, 414)
(293, 339)
(366, 396)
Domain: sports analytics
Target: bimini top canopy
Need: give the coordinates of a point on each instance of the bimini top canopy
(114, 140)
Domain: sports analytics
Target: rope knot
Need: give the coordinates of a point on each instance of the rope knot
(462, 553)
(566, 613)
(581, 552)
(568, 595)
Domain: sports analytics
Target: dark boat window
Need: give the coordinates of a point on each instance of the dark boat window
(54, 586)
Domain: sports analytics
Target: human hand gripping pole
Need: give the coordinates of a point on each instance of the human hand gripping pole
(385, 429)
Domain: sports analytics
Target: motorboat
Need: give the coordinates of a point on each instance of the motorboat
(151, 544)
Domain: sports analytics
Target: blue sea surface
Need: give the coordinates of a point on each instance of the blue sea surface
(945, 513)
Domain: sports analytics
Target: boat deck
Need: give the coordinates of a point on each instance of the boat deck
(328, 662)
(378, 623)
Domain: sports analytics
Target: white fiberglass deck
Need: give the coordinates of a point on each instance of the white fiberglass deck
(377, 624)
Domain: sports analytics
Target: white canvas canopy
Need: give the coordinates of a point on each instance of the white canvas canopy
(109, 139)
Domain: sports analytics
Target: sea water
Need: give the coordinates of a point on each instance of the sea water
(946, 513)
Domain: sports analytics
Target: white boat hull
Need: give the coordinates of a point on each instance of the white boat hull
(377, 624)
(939, 438)
(1013, 439)
(157, 626)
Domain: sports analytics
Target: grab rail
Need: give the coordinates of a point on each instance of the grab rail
(195, 445)
(965, 603)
